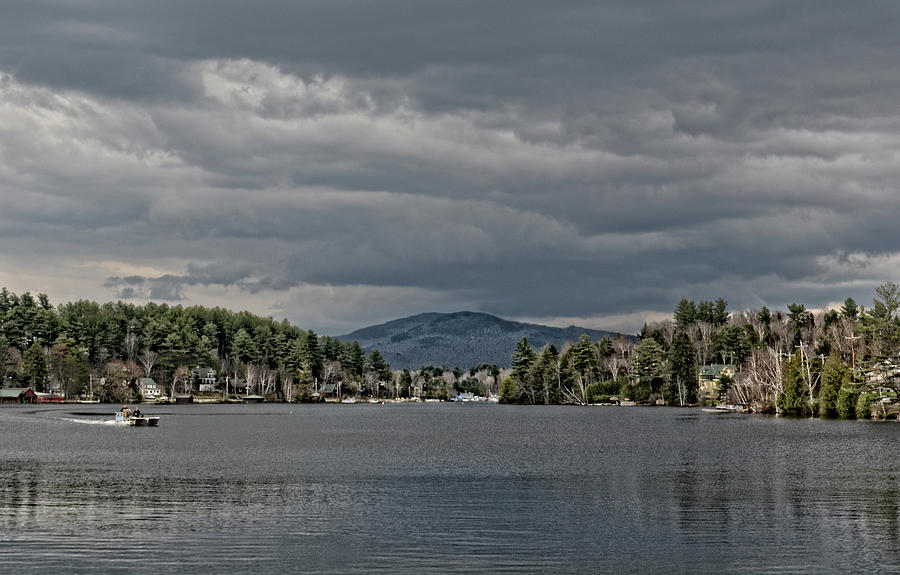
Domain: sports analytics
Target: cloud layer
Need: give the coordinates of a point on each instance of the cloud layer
(342, 163)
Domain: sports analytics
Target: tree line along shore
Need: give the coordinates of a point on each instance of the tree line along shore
(82, 349)
(836, 363)
(829, 363)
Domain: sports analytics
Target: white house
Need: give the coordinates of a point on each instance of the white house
(149, 389)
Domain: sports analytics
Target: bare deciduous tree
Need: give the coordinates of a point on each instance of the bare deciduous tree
(182, 377)
(287, 386)
(148, 360)
(761, 380)
(130, 345)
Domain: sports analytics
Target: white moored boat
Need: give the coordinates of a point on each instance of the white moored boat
(719, 409)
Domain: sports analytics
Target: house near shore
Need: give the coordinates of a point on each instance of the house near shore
(884, 372)
(149, 388)
(326, 390)
(238, 386)
(18, 395)
(205, 378)
(708, 379)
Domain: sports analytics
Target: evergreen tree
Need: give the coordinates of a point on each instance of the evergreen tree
(705, 311)
(793, 400)
(720, 312)
(685, 313)
(541, 384)
(683, 371)
(243, 347)
(584, 360)
(405, 384)
(850, 310)
(648, 365)
(518, 387)
(35, 367)
(4, 351)
(523, 358)
(307, 360)
(376, 364)
(730, 344)
(835, 375)
(551, 373)
(847, 399)
(331, 349)
(801, 318)
(353, 359)
(880, 323)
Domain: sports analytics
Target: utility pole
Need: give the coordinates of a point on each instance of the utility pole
(853, 337)
(804, 358)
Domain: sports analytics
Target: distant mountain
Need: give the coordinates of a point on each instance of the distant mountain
(465, 339)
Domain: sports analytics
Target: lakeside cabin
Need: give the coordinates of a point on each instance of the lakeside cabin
(18, 395)
(150, 389)
(709, 379)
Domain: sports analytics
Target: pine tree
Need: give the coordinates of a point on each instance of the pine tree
(4, 352)
(376, 364)
(850, 310)
(242, 347)
(685, 313)
(584, 359)
(35, 367)
(834, 376)
(720, 312)
(405, 384)
(648, 364)
(793, 399)
(847, 398)
(353, 359)
(683, 374)
(542, 382)
(523, 358)
(517, 387)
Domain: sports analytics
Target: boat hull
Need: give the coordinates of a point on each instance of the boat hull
(143, 421)
(718, 409)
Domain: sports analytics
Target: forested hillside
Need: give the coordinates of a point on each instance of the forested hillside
(67, 347)
(462, 339)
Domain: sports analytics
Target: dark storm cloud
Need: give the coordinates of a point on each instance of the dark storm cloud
(535, 159)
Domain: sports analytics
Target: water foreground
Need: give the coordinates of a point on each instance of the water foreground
(466, 488)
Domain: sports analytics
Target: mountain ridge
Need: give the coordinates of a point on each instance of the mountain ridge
(464, 339)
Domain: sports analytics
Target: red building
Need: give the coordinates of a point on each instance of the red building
(18, 395)
(48, 398)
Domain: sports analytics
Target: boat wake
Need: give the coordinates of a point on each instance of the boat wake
(90, 421)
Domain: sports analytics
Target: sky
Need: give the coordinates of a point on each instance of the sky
(342, 163)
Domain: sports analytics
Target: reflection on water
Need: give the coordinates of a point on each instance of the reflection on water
(445, 488)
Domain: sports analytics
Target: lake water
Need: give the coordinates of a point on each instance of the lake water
(444, 488)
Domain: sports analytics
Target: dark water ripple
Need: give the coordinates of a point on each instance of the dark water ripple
(445, 489)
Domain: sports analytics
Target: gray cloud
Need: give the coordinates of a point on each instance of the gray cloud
(575, 160)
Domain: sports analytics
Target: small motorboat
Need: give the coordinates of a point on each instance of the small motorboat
(127, 417)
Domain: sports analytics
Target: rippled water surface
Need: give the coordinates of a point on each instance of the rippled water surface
(412, 488)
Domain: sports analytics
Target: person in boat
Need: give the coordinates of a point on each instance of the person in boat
(137, 412)
(126, 413)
